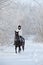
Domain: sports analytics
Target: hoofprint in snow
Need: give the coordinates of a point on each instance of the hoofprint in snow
(33, 54)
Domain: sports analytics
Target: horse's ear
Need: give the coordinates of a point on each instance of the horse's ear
(15, 31)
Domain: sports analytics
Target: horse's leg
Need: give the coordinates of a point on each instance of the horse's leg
(19, 49)
(15, 49)
(23, 46)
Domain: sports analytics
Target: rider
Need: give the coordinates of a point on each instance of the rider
(19, 30)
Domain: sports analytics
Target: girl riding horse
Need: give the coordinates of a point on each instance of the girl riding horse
(19, 40)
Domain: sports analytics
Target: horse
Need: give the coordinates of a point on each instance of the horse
(19, 42)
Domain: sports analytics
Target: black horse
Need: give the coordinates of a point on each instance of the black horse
(18, 42)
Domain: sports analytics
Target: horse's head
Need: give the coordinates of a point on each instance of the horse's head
(16, 34)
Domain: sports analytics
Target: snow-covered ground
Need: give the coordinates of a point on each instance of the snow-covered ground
(33, 54)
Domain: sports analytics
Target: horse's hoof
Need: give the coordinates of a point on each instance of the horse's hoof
(19, 51)
(15, 52)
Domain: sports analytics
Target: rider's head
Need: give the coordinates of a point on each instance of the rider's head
(19, 27)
